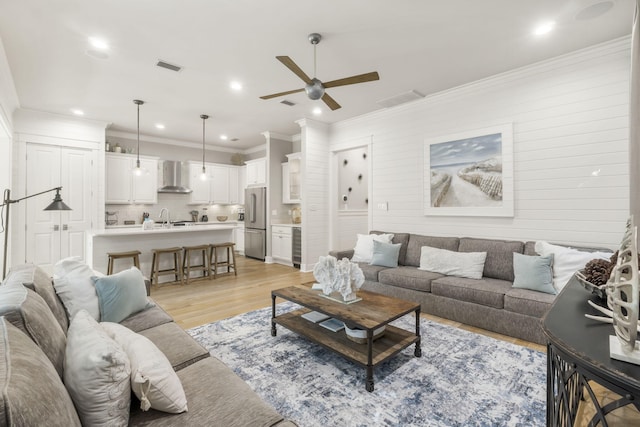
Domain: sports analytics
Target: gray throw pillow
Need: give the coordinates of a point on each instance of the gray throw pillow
(534, 273)
(385, 254)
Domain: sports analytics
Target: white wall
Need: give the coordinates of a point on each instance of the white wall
(571, 167)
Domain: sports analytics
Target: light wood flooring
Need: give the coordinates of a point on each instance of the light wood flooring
(205, 301)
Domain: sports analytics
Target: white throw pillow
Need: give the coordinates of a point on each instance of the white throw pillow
(73, 284)
(153, 379)
(461, 264)
(566, 261)
(96, 374)
(363, 252)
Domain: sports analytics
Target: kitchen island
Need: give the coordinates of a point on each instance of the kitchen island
(124, 239)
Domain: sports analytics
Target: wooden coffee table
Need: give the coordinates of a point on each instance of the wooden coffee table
(373, 312)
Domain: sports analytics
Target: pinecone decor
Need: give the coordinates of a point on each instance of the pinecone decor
(597, 271)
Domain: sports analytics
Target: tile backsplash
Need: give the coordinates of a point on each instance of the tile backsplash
(177, 206)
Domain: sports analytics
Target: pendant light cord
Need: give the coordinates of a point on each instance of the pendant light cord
(138, 103)
(203, 117)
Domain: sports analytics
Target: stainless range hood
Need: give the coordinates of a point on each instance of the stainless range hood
(172, 178)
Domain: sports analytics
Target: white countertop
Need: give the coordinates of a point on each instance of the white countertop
(137, 229)
(286, 224)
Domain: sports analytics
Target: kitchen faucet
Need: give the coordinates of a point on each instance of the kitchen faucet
(166, 223)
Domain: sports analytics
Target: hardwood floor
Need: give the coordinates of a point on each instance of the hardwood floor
(206, 301)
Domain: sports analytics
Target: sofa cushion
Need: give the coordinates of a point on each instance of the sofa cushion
(533, 272)
(176, 344)
(530, 303)
(371, 271)
(451, 263)
(217, 397)
(364, 246)
(153, 380)
(486, 291)
(416, 242)
(96, 373)
(408, 278)
(28, 312)
(72, 282)
(146, 319)
(36, 279)
(499, 262)
(403, 239)
(120, 295)
(385, 254)
(32, 391)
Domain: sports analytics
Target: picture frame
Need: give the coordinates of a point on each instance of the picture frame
(470, 173)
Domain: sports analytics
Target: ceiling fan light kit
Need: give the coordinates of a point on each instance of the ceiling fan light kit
(314, 87)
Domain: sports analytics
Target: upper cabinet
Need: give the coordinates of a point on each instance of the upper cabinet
(219, 187)
(256, 172)
(291, 179)
(123, 187)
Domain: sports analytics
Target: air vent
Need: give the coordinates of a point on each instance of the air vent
(286, 102)
(168, 66)
(402, 98)
(234, 139)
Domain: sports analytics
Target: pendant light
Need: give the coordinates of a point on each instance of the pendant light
(203, 175)
(138, 170)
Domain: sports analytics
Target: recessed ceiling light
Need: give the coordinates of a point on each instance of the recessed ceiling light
(159, 126)
(235, 85)
(77, 112)
(317, 111)
(544, 28)
(98, 43)
(224, 137)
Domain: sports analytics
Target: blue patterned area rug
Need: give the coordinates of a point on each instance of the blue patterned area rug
(462, 378)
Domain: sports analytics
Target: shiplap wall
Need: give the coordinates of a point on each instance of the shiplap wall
(571, 167)
(315, 191)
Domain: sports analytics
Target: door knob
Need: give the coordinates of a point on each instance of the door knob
(56, 227)
(65, 227)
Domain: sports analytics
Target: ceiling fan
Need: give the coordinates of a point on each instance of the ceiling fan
(315, 88)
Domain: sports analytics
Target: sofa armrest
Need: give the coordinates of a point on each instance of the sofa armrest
(348, 253)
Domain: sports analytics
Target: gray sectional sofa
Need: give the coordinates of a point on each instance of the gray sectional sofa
(33, 328)
(489, 303)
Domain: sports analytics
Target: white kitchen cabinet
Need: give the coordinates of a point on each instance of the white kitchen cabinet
(220, 187)
(256, 172)
(123, 187)
(281, 244)
(238, 239)
(291, 179)
(242, 183)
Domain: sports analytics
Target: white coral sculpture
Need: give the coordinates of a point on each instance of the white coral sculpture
(341, 276)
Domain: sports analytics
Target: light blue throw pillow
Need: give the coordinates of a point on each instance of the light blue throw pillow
(385, 254)
(120, 295)
(534, 273)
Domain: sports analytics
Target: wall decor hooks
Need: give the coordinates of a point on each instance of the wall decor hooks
(360, 177)
(345, 162)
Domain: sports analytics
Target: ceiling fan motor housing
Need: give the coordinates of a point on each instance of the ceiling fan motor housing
(315, 90)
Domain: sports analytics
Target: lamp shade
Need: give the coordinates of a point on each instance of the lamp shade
(57, 204)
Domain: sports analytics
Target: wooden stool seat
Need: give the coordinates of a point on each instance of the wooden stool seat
(177, 264)
(229, 262)
(187, 267)
(134, 255)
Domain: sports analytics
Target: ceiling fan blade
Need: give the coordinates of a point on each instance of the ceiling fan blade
(361, 78)
(331, 103)
(275, 95)
(288, 62)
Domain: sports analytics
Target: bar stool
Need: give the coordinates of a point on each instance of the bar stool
(187, 267)
(135, 255)
(177, 264)
(230, 261)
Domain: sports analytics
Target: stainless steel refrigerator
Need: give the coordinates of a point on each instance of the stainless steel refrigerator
(255, 222)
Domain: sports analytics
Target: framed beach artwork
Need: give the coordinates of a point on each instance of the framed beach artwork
(470, 173)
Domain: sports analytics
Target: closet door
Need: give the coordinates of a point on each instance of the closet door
(53, 235)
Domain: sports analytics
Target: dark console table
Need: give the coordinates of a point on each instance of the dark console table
(578, 352)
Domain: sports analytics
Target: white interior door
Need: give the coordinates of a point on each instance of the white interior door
(53, 235)
(75, 178)
(43, 227)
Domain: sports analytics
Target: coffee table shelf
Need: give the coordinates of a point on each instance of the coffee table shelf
(392, 342)
(370, 314)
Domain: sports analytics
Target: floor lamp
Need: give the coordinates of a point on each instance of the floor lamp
(56, 205)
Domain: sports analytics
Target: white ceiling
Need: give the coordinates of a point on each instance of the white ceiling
(422, 45)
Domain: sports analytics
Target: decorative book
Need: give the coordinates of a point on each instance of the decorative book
(333, 325)
(315, 316)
